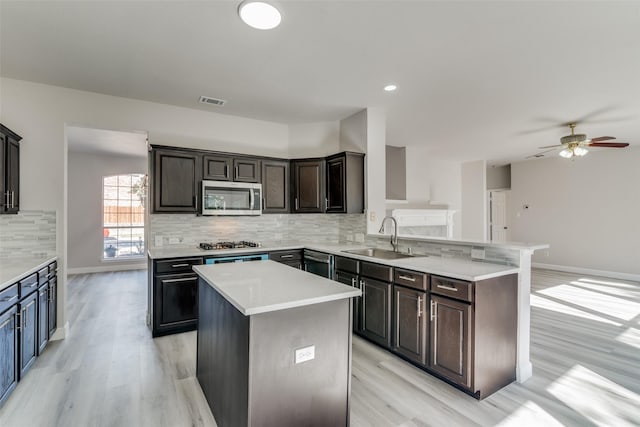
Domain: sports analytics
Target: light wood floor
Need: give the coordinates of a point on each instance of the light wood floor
(109, 372)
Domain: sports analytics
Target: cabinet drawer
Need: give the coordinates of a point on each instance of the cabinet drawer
(8, 297)
(43, 276)
(412, 279)
(53, 267)
(376, 271)
(178, 265)
(285, 256)
(28, 285)
(453, 288)
(347, 264)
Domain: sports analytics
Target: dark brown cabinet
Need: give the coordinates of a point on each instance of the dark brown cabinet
(308, 186)
(345, 183)
(173, 296)
(28, 310)
(376, 311)
(176, 180)
(9, 171)
(8, 351)
(246, 170)
(352, 279)
(410, 321)
(292, 258)
(275, 186)
(217, 168)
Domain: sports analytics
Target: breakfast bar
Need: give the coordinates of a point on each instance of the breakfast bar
(274, 345)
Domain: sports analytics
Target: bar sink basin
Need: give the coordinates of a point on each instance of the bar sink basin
(378, 253)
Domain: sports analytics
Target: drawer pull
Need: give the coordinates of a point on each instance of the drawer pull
(31, 285)
(353, 282)
(409, 278)
(448, 288)
(419, 306)
(179, 265)
(286, 256)
(361, 284)
(9, 299)
(185, 279)
(433, 311)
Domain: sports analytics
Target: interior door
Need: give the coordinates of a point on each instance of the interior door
(498, 228)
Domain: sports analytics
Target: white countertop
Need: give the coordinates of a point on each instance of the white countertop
(529, 246)
(264, 286)
(14, 269)
(455, 268)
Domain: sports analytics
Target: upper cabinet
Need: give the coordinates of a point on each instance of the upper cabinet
(176, 180)
(345, 183)
(9, 171)
(275, 186)
(308, 186)
(217, 167)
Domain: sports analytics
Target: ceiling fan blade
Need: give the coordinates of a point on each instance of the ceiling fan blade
(540, 154)
(551, 146)
(609, 144)
(603, 138)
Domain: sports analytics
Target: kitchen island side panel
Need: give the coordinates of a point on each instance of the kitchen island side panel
(223, 357)
(311, 393)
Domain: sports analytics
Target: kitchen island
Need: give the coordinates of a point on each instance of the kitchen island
(274, 345)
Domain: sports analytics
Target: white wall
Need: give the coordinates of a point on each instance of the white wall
(353, 132)
(86, 171)
(588, 209)
(39, 114)
(314, 139)
(499, 177)
(474, 200)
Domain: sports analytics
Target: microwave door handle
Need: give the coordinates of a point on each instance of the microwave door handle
(252, 199)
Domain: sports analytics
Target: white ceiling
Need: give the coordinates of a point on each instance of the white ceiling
(476, 80)
(129, 144)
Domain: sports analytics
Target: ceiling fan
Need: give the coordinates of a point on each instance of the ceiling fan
(574, 145)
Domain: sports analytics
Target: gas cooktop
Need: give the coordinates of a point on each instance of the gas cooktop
(228, 245)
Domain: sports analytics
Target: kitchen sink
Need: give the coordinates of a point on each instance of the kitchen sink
(378, 253)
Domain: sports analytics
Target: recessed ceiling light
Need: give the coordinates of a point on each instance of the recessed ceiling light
(260, 15)
(390, 88)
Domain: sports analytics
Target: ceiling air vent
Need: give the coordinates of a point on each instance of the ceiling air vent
(212, 101)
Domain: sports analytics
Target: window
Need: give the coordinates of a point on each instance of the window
(123, 199)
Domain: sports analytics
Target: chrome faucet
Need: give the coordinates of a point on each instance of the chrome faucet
(394, 236)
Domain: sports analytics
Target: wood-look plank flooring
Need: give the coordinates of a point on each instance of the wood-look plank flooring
(109, 371)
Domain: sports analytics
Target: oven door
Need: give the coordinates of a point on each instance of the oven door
(231, 198)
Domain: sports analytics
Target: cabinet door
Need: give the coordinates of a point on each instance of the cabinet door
(308, 186)
(4, 196)
(53, 305)
(352, 280)
(8, 352)
(217, 168)
(176, 178)
(28, 332)
(275, 186)
(450, 354)
(376, 311)
(12, 183)
(43, 318)
(410, 321)
(178, 297)
(336, 191)
(246, 170)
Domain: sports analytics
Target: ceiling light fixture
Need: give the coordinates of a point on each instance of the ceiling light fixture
(390, 88)
(259, 14)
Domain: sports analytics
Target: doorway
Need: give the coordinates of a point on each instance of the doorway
(498, 222)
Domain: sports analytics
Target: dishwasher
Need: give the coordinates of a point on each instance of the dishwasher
(318, 263)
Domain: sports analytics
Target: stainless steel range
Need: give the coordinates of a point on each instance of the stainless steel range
(228, 245)
(242, 244)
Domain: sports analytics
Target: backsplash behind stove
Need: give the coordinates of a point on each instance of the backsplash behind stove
(190, 229)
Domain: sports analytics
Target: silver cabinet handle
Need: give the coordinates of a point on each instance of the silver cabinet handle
(13, 199)
(448, 288)
(286, 256)
(419, 306)
(361, 284)
(433, 310)
(297, 207)
(353, 282)
(179, 265)
(236, 173)
(10, 299)
(409, 278)
(185, 279)
(326, 202)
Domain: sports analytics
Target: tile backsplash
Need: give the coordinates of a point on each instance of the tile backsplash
(27, 234)
(188, 229)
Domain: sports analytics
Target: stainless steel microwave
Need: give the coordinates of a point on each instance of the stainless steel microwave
(231, 198)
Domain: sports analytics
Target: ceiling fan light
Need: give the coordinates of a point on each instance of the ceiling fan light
(580, 151)
(566, 153)
(259, 15)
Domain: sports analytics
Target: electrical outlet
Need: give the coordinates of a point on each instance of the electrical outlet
(158, 240)
(305, 354)
(372, 216)
(477, 253)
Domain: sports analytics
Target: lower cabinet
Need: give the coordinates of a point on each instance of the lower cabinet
(410, 324)
(53, 305)
(43, 317)
(376, 311)
(352, 279)
(8, 352)
(450, 353)
(292, 258)
(28, 309)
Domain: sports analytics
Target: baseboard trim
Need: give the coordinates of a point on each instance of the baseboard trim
(60, 333)
(107, 268)
(602, 273)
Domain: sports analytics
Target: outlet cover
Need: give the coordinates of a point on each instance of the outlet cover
(305, 354)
